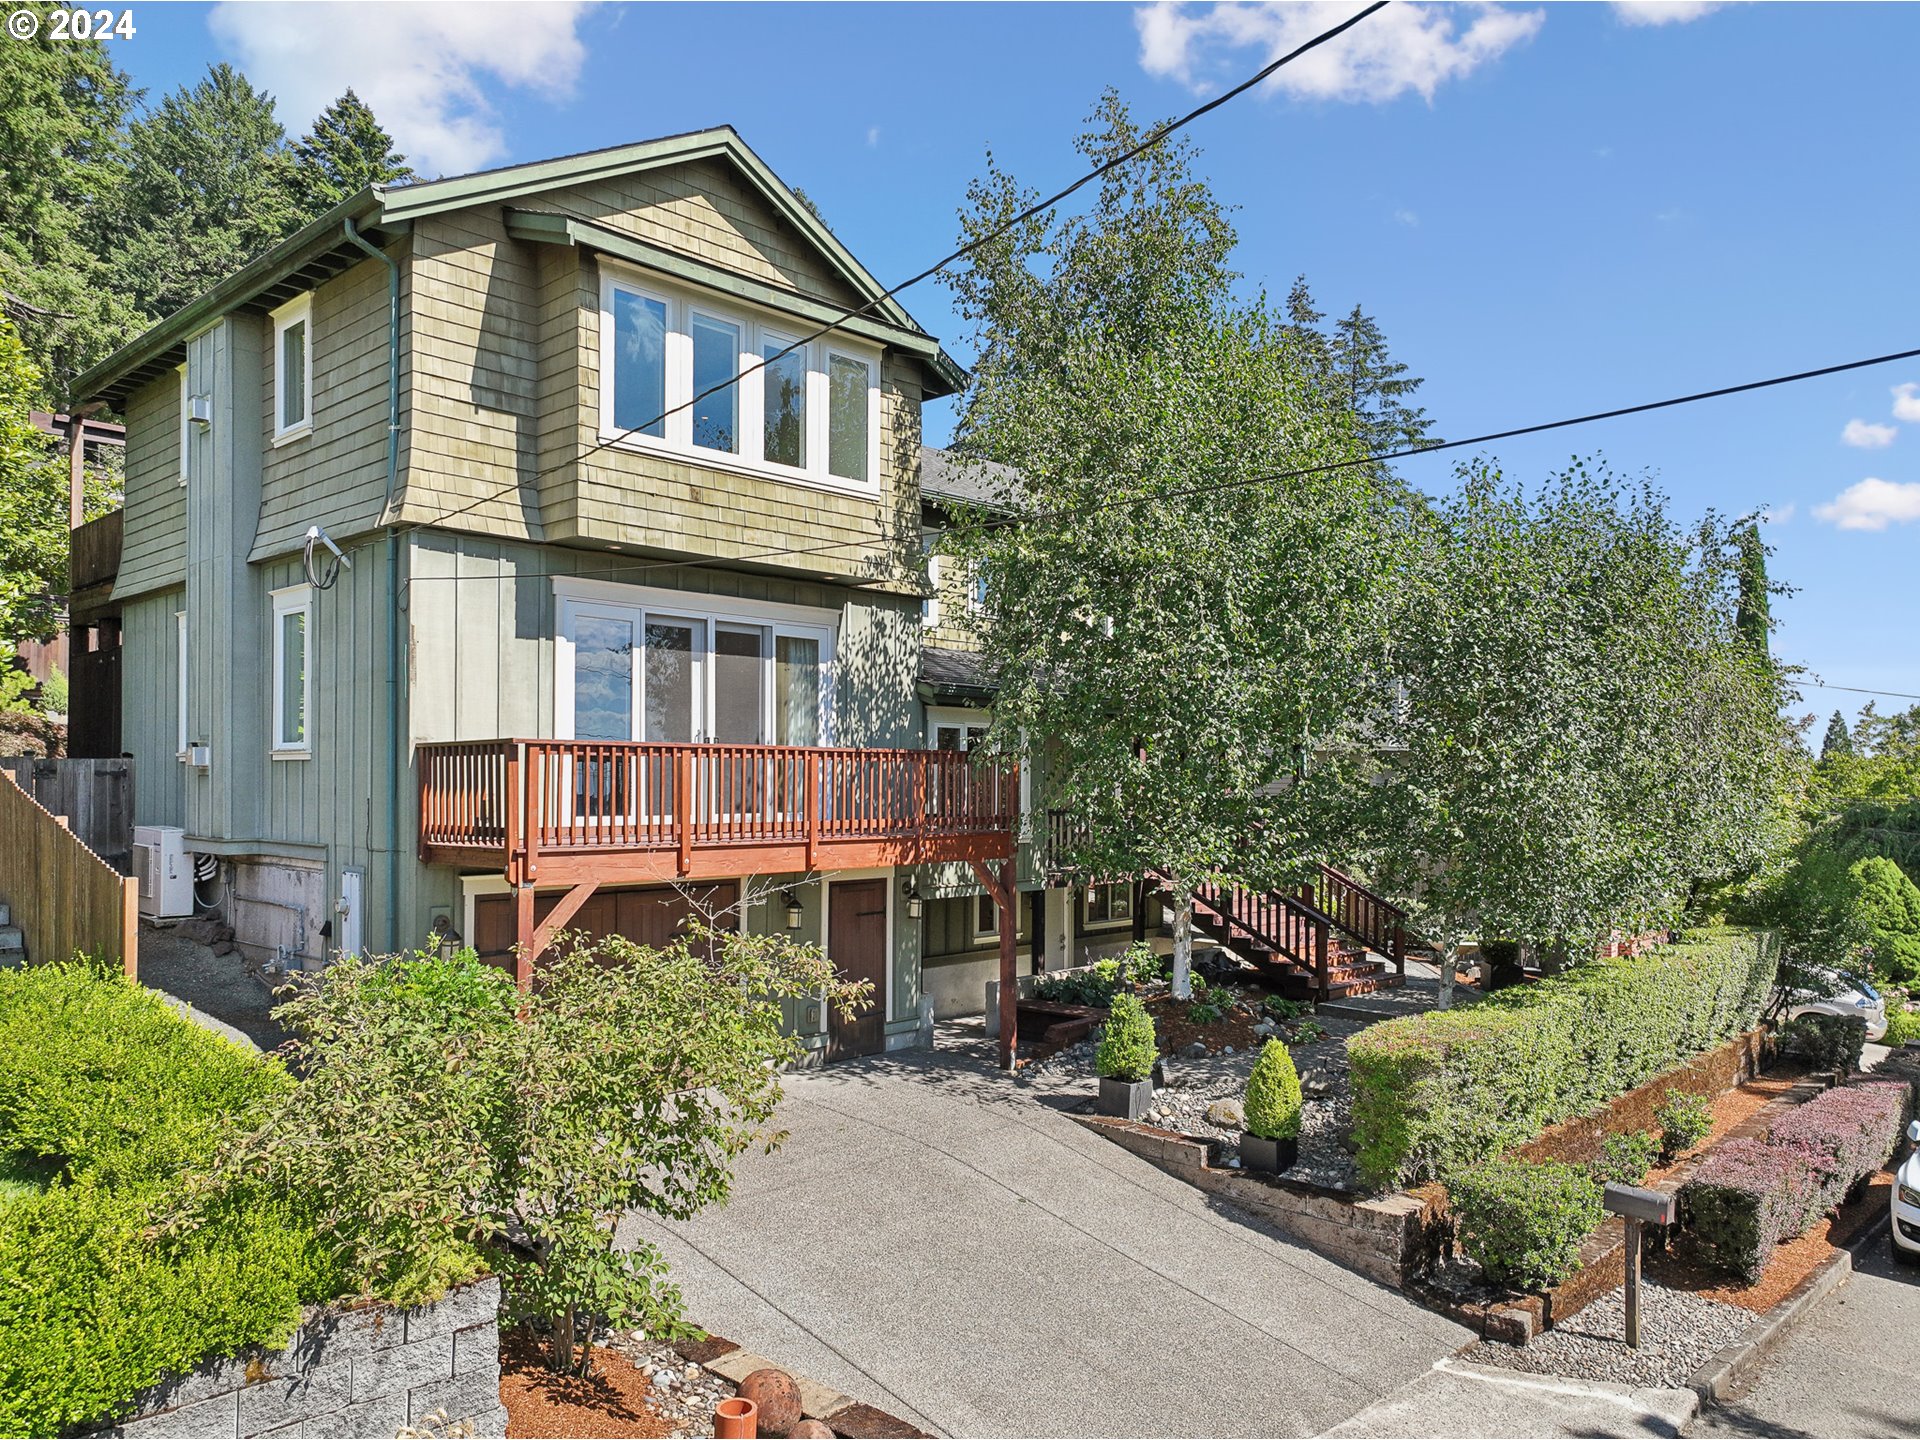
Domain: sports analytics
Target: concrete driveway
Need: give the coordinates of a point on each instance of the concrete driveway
(942, 1244)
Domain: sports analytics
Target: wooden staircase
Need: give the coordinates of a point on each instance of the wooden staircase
(1332, 940)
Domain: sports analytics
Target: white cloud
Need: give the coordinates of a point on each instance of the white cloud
(873, 137)
(1872, 504)
(1407, 218)
(1407, 46)
(1906, 403)
(1662, 12)
(1864, 436)
(1781, 514)
(426, 69)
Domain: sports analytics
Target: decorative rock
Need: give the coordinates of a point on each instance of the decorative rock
(1196, 1050)
(778, 1398)
(811, 1430)
(1226, 1114)
(1264, 1030)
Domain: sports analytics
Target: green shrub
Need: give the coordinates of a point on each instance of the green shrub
(1523, 1222)
(1281, 1008)
(1205, 1012)
(1127, 1050)
(1685, 1120)
(1096, 985)
(1273, 1095)
(1624, 1159)
(1903, 1027)
(1826, 1042)
(1435, 1092)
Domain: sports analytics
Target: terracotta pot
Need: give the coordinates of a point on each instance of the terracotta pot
(736, 1419)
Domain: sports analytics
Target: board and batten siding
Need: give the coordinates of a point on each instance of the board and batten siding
(149, 706)
(482, 622)
(153, 550)
(335, 476)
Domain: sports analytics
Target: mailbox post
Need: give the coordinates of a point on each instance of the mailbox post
(1636, 1207)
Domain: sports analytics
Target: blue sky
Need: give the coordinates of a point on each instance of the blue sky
(1550, 209)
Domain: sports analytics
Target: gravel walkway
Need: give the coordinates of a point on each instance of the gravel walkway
(1679, 1332)
(221, 985)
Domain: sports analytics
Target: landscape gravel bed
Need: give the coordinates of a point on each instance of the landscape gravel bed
(1679, 1332)
(683, 1394)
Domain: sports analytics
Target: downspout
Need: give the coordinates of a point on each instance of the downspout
(393, 579)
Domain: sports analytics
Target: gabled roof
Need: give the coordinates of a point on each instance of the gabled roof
(321, 248)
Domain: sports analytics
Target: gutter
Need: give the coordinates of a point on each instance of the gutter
(393, 579)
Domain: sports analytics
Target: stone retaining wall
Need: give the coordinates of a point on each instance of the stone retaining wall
(369, 1371)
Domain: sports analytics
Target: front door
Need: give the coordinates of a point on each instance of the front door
(857, 944)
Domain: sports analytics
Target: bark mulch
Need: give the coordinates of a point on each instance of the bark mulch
(615, 1400)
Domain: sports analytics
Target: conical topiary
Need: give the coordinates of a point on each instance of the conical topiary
(1127, 1049)
(1273, 1095)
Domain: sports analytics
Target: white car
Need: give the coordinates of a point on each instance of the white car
(1906, 1203)
(1851, 996)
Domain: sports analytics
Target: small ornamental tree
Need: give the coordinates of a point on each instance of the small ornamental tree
(1273, 1103)
(1127, 1049)
(441, 1110)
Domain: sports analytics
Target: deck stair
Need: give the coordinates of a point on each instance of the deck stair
(1329, 941)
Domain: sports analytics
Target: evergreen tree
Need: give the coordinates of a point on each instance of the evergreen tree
(209, 186)
(346, 151)
(1754, 617)
(62, 105)
(1378, 387)
(1839, 739)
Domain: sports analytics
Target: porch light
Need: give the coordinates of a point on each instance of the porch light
(914, 903)
(449, 938)
(795, 915)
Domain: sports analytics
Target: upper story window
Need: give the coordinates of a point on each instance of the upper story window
(291, 608)
(292, 369)
(186, 424)
(765, 402)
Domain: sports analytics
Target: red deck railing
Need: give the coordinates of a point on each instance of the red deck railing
(557, 809)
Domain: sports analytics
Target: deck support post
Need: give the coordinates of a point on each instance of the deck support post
(1003, 885)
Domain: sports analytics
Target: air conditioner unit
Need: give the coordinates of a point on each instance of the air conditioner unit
(165, 871)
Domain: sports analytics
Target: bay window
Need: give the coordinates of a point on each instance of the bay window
(805, 412)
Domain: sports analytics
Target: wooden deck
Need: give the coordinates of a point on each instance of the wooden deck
(556, 812)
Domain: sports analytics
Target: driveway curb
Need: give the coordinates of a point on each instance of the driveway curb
(1721, 1377)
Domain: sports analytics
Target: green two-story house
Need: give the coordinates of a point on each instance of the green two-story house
(543, 548)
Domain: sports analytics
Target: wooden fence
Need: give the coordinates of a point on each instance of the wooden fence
(64, 897)
(94, 796)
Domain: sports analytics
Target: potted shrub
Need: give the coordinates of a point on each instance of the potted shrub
(1271, 1141)
(1125, 1059)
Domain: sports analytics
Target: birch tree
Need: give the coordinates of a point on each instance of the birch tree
(1178, 632)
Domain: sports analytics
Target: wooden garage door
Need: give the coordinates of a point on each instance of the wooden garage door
(651, 916)
(857, 944)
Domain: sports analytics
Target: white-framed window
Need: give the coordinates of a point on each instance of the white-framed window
(977, 593)
(986, 918)
(186, 424)
(292, 645)
(930, 607)
(639, 664)
(809, 413)
(293, 369)
(953, 728)
(180, 682)
(1109, 904)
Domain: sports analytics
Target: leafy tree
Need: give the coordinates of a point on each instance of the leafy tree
(344, 152)
(441, 1112)
(1839, 739)
(62, 105)
(209, 185)
(1148, 611)
(1584, 732)
(1890, 913)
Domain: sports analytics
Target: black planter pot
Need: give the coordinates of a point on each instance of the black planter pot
(1272, 1156)
(1127, 1099)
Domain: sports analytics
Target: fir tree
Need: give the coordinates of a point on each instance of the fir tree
(1378, 387)
(1839, 739)
(1753, 617)
(346, 151)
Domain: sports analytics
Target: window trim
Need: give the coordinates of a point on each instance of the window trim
(186, 424)
(576, 598)
(297, 311)
(180, 682)
(1086, 905)
(992, 932)
(293, 599)
(753, 323)
(930, 604)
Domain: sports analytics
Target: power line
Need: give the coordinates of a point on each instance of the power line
(1265, 477)
(1147, 143)
(1856, 690)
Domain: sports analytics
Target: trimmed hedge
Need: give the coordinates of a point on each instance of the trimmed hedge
(1448, 1088)
(1750, 1195)
(1828, 1042)
(116, 1098)
(1525, 1222)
